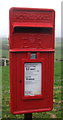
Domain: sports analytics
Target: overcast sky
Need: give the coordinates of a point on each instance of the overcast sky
(5, 5)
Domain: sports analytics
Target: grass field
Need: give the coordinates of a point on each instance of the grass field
(57, 107)
(5, 54)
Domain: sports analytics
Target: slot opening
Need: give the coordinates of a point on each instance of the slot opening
(32, 30)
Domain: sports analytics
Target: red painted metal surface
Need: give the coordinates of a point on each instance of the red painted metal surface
(31, 31)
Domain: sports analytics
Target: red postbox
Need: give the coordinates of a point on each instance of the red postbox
(31, 43)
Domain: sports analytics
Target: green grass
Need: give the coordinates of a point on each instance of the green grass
(0, 53)
(5, 53)
(57, 70)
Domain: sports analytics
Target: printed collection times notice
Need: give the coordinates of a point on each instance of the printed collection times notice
(32, 79)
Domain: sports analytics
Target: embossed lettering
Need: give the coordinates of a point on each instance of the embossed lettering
(32, 16)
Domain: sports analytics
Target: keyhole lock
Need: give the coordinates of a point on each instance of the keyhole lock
(20, 81)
